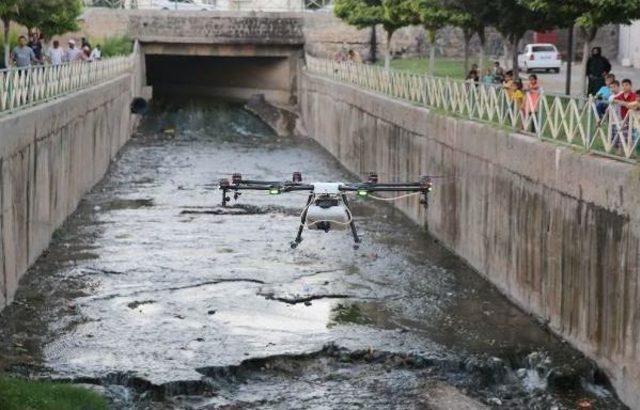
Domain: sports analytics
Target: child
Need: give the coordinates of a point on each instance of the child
(604, 94)
(487, 79)
(517, 93)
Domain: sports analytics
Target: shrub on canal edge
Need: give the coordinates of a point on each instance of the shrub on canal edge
(21, 394)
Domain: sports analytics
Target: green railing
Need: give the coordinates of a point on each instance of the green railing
(572, 121)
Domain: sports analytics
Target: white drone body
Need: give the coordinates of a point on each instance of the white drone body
(327, 210)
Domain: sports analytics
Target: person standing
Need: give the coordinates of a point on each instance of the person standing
(36, 45)
(22, 55)
(55, 54)
(96, 53)
(498, 72)
(73, 53)
(597, 68)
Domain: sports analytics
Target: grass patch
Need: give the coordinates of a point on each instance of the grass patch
(21, 394)
(349, 313)
(443, 67)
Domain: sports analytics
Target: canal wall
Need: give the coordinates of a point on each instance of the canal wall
(557, 231)
(50, 156)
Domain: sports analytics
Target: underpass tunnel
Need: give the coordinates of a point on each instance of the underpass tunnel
(230, 77)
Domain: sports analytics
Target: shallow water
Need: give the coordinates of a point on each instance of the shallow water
(166, 300)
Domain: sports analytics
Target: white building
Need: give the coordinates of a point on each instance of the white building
(629, 45)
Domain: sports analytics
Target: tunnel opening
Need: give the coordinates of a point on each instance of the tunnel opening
(229, 78)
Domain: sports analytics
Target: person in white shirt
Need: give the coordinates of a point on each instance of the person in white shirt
(73, 53)
(96, 53)
(55, 54)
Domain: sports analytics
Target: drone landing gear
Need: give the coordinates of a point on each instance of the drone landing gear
(352, 225)
(303, 221)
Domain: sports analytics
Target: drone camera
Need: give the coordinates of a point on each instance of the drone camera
(373, 178)
(297, 177)
(223, 183)
(236, 178)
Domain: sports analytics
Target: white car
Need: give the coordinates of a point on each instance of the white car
(180, 5)
(540, 56)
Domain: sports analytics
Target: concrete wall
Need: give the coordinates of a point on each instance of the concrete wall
(158, 26)
(50, 156)
(629, 45)
(555, 230)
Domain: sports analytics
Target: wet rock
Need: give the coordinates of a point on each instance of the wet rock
(136, 304)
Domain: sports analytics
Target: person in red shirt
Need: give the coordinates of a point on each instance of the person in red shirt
(624, 98)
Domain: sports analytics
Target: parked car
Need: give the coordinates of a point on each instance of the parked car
(541, 56)
(181, 5)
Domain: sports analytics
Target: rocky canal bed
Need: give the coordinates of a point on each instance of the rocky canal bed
(159, 298)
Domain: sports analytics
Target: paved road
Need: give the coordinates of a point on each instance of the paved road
(158, 297)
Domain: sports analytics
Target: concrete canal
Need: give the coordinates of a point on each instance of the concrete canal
(159, 298)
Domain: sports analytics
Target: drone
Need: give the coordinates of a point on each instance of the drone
(327, 206)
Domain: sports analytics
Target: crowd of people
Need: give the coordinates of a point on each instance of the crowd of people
(609, 93)
(30, 52)
(606, 90)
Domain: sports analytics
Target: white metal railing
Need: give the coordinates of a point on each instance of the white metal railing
(573, 121)
(21, 88)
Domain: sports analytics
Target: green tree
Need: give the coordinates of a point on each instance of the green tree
(434, 15)
(391, 14)
(50, 17)
(473, 17)
(513, 19)
(588, 16)
(8, 12)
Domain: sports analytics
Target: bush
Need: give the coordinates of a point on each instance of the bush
(114, 46)
(21, 394)
(13, 41)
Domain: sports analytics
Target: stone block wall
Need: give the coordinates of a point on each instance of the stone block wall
(325, 35)
(556, 230)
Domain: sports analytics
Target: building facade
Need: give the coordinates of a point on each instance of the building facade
(629, 46)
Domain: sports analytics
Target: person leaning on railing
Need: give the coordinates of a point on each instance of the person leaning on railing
(603, 96)
(533, 92)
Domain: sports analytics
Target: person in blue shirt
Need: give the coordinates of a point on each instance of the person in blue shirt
(603, 95)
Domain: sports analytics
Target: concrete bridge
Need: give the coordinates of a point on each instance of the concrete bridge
(557, 231)
(221, 54)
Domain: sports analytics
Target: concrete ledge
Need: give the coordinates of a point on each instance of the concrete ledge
(216, 27)
(556, 230)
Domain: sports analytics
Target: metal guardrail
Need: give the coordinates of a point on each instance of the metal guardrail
(572, 121)
(20, 88)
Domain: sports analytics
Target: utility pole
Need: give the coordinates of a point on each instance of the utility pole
(570, 52)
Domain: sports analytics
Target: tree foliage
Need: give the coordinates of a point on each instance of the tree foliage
(8, 13)
(390, 14)
(50, 17)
